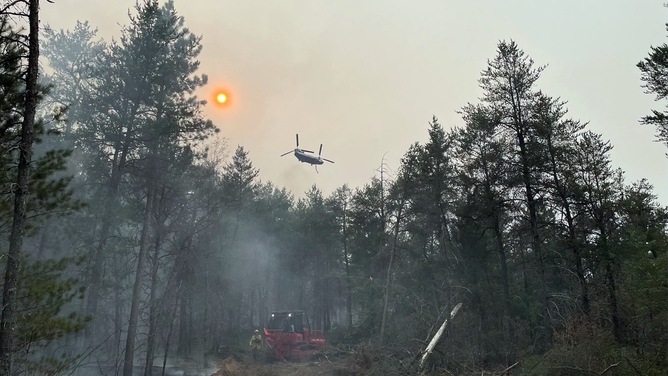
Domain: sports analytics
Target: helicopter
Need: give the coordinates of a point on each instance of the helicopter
(303, 156)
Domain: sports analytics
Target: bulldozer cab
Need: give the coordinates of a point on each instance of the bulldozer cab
(288, 322)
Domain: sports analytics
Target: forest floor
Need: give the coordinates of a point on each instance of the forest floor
(319, 364)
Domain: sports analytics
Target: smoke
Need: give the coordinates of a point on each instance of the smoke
(296, 177)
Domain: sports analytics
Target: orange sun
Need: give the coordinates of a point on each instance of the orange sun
(222, 96)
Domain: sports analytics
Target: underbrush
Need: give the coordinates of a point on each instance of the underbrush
(584, 348)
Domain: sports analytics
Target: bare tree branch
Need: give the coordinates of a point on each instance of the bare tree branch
(11, 4)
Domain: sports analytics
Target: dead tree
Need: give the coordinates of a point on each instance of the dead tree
(437, 336)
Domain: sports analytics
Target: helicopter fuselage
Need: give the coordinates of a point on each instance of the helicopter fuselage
(307, 158)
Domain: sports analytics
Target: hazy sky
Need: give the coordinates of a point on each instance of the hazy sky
(364, 77)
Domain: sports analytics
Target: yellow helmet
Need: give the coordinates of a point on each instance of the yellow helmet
(257, 331)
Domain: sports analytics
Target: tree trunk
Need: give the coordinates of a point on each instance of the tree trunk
(118, 309)
(21, 194)
(388, 279)
(191, 322)
(183, 327)
(153, 309)
(252, 307)
(301, 291)
(44, 239)
(184, 278)
(208, 326)
(327, 298)
(519, 127)
(579, 269)
(134, 308)
(610, 284)
(171, 327)
(586, 306)
(612, 296)
(97, 255)
(349, 297)
(531, 202)
(504, 263)
(261, 298)
(506, 285)
(584, 290)
(536, 242)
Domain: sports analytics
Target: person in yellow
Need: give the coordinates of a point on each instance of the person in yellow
(256, 343)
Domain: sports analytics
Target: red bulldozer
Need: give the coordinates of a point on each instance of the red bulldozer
(289, 336)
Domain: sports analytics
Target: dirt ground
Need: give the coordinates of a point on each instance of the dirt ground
(316, 366)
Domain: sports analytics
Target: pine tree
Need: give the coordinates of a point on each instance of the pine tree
(166, 51)
(437, 180)
(239, 179)
(486, 208)
(654, 70)
(21, 192)
(72, 55)
(509, 91)
(367, 243)
(602, 187)
(339, 206)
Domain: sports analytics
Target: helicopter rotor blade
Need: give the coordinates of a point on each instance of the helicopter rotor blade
(320, 152)
(297, 138)
(284, 154)
(308, 151)
(324, 159)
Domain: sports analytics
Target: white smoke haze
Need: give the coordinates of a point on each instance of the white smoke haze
(365, 80)
(221, 251)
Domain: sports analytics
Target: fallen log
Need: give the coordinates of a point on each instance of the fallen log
(507, 370)
(437, 336)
